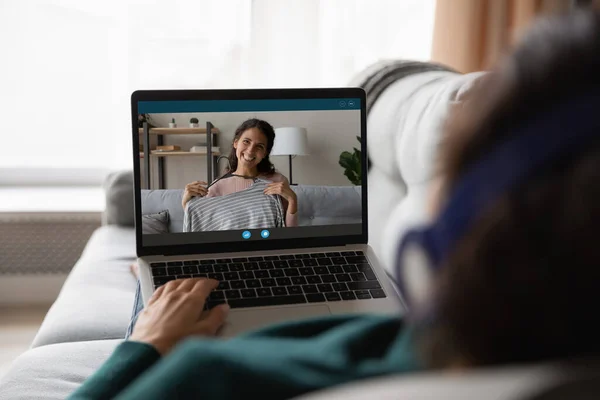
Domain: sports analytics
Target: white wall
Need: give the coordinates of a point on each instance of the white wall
(329, 133)
(277, 27)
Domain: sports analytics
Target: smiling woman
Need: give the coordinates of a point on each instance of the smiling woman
(249, 167)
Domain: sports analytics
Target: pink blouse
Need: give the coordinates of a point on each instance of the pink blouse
(234, 184)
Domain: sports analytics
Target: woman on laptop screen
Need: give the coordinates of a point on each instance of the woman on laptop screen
(507, 267)
(251, 194)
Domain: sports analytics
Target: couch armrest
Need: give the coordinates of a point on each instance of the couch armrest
(118, 189)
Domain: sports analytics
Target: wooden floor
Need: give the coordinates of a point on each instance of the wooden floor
(18, 326)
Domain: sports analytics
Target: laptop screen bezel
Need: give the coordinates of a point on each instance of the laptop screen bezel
(246, 94)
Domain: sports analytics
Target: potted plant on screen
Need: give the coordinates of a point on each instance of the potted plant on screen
(145, 118)
(351, 162)
(194, 122)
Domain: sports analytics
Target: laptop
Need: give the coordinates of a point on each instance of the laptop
(273, 266)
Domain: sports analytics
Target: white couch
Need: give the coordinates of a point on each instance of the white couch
(408, 104)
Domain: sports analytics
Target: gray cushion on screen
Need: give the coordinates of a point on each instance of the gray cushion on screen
(154, 201)
(155, 223)
(118, 187)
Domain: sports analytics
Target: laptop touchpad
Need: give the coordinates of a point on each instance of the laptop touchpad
(240, 321)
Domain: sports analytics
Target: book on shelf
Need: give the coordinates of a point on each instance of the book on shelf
(202, 149)
(170, 147)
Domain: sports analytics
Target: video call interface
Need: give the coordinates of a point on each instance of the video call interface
(274, 169)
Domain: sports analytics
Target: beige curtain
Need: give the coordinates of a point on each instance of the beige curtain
(470, 35)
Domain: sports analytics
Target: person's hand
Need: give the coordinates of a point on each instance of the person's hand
(197, 188)
(283, 189)
(174, 312)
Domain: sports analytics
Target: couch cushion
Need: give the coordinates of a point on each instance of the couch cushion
(403, 113)
(405, 128)
(96, 300)
(378, 76)
(54, 371)
(155, 223)
(118, 189)
(501, 383)
(384, 195)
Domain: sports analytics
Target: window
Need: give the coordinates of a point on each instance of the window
(69, 66)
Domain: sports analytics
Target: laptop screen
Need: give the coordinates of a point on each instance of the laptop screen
(249, 170)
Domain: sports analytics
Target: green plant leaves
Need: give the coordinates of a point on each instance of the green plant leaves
(351, 162)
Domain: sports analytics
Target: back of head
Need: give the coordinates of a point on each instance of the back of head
(521, 285)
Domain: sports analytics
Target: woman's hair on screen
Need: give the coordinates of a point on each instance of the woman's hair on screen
(521, 285)
(265, 166)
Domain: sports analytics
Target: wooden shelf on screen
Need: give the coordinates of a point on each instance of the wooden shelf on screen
(177, 153)
(159, 156)
(178, 131)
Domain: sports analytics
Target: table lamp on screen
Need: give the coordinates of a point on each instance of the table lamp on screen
(290, 141)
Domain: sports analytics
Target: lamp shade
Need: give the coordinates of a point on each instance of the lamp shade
(290, 141)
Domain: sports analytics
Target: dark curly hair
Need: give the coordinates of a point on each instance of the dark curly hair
(522, 284)
(265, 166)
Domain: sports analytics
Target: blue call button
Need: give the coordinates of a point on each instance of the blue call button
(265, 233)
(246, 234)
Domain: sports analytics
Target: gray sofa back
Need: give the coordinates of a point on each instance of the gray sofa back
(317, 205)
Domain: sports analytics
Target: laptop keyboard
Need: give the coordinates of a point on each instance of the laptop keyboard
(279, 280)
